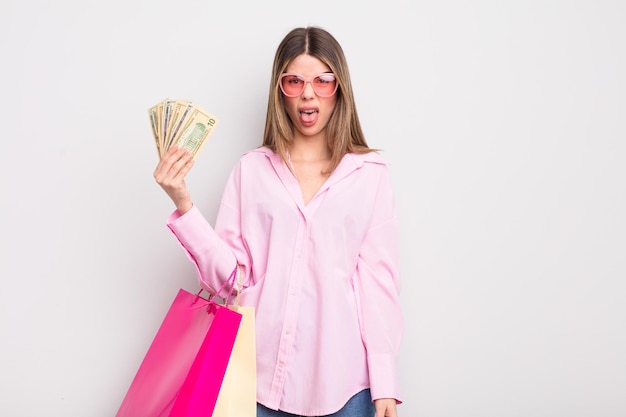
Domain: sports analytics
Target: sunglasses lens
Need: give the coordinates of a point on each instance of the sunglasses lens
(292, 85)
(325, 84)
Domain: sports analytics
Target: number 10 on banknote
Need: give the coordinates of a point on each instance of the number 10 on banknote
(181, 123)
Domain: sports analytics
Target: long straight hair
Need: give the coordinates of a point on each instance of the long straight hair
(343, 131)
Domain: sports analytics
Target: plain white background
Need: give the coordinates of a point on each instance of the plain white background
(504, 125)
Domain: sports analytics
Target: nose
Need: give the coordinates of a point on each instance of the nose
(308, 90)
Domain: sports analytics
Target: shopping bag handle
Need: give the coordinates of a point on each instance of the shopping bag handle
(239, 284)
(229, 282)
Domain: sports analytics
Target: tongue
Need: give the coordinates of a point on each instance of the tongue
(308, 119)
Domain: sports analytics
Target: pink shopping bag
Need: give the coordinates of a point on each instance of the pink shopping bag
(182, 371)
(198, 394)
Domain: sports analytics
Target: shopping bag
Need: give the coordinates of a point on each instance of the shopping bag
(199, 391)
(237, 397)
(193, 330)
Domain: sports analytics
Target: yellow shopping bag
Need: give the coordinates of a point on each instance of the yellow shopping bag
(237, 396)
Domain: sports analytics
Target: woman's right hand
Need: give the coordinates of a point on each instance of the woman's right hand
(170, 175)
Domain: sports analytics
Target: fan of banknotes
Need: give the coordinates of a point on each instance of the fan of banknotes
(181, 123)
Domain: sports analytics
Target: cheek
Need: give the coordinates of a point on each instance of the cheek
(291, 107)
(329, 107)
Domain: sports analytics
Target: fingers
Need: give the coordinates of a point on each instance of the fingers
(170, 175)
(386, 407)
(173, 155)
(173, 167)
(181, 167)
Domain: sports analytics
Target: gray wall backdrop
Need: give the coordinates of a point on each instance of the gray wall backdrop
(504, 124)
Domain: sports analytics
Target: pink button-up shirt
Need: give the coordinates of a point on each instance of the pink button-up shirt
(323, 277)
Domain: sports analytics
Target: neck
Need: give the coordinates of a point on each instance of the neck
(309, 149)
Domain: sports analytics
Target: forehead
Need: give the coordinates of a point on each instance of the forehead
(307, 65)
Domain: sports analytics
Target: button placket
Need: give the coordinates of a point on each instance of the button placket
(291, 312)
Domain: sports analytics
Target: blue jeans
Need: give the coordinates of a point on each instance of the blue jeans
(360, 405)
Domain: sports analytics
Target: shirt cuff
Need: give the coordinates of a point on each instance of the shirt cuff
(384, 379)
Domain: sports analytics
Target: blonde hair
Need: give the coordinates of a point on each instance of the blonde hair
(343, 132)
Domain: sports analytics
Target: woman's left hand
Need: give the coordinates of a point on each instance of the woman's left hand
(386, 407)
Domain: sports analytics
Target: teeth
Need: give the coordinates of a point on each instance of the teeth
(308, 111)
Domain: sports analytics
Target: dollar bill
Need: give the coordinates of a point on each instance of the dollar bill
(181, 123)
(182, 110)
(166, 118)
(160, 128)
(195, 132)
(154, 122)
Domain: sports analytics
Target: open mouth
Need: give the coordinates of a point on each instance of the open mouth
(308, 117)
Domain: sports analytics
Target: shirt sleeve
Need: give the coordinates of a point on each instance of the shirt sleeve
(214, 251)
(377, 285)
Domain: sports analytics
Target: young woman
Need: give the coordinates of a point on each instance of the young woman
(310, 218)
